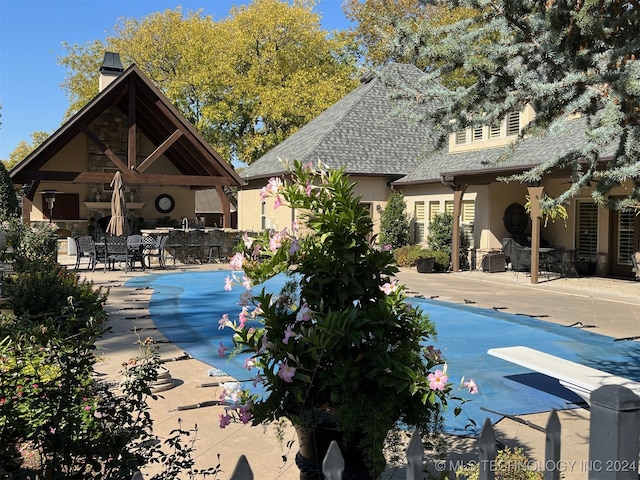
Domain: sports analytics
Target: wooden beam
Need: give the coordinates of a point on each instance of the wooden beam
(147, 162)
(52, 175)
(134, 178)
(104, 149)
(132, 136)
(226, 207)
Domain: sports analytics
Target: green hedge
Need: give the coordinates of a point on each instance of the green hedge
(406, 257)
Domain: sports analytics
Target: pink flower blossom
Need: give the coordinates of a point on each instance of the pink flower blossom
(224, 322)
(389, 288)
(386, 248)
(243, 316)
(471, 385)
(308, 189)
(277, 202)
(304, 313)
(228, 284)
(285, 372)
(438, 380)
(263, 194)
(256, 312)
(236, 261)
(222, 350)
(225, 419)
(244, 414)
(246, 282)
(249, 364)
(275, 242)
(288, 333)
(248, 241)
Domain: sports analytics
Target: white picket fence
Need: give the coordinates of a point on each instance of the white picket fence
(614, 444)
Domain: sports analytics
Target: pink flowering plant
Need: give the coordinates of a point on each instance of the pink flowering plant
(339, 343)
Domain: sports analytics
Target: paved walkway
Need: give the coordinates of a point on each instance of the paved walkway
(609, 307)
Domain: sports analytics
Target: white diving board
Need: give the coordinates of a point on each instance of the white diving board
(578, 378)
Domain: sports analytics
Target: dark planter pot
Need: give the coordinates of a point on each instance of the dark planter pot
(425, 265)
(313, 445)
(585, 269)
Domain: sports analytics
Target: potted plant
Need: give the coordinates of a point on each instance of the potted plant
(424, 260)
(339, 350)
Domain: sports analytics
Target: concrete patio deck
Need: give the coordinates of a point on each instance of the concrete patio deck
(605, 306)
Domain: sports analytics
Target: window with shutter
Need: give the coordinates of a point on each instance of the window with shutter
(434, 209)
(468, 211)
(587, 230)
(625, 238)
(448, 206)
(494, 131)
(418, 222)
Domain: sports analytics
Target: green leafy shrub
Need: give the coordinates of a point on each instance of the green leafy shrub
(45, 288)
(408, 255)
(509, 465)
(394, 224)
(440, 237)
(31, 244)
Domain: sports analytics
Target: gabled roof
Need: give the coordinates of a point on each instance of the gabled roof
(363, 132)
(149, 112)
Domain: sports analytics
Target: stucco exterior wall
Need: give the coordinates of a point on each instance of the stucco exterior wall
(254, 216)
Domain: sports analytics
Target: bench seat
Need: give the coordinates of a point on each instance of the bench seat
(576, 377)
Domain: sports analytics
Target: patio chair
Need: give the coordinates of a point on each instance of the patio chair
(135, 245)
(153, 247)
(195, 243)
(86, 248)
(176, 244)
(116, 250)
(214, 243)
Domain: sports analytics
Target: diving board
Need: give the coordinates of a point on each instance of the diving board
(578, 378)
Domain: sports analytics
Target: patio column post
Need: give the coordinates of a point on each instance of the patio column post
(455, 241)
(226, 207)
(535, 195)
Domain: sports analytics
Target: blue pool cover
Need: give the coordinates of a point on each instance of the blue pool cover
(186, 308)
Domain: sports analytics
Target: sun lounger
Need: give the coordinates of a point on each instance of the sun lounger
(578, 378)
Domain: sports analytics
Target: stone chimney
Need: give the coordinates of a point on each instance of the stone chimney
(111, 68)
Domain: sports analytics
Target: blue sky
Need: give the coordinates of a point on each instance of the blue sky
(31, 36)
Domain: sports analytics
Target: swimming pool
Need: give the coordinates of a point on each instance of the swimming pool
(186, 308)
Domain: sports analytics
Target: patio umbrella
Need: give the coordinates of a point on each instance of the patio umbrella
(118, 225)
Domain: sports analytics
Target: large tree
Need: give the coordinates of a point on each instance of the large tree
(246, 82)
(564, 58)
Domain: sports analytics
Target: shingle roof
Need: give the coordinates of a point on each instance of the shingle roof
(362, 132)
(530, 152)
